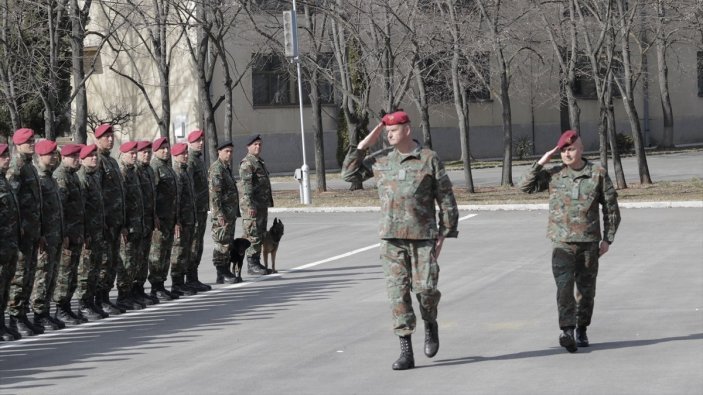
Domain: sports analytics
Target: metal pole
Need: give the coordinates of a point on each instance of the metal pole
(305, 169)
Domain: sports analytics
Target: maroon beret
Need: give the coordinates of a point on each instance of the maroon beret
(142, 145)
(70, 149)
(158, 143)
(395, 118)
(179, 149)
(45, 147)
(567, 138)
(87, 150)
(195, 135)
(128, 146)
(3, 148)
(23, 135)
(102, 129)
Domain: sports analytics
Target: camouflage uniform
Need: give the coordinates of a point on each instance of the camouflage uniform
(146, 181)
(130, 247)
(224, 203)
(198, 172)
(89, 267)
(24, 180)
(408, 186)
(574, 229)
(10, 236)
(256, 194)
(180, 254)
(167, 211)
(113, 203)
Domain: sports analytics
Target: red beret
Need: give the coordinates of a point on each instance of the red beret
(87, 150)
(194, 135)
(45, 147)
(70, 149)
(158, 143)
(3, 148)
(128, 146)
(567, 138)
(23, 135)
(395, 118)
(179, 149)
(142, 145)
(102, 129)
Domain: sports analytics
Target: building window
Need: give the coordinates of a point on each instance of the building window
(92, 60)
(274, 82)
(700, 73)
(584, 83)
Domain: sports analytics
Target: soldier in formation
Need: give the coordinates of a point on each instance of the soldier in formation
(256, 200)
(10, 236)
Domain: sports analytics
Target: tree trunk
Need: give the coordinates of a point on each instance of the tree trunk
(507, 175)
(663, 77)
(316, 107)
(423, 107)
(612, 132)
(80, 123)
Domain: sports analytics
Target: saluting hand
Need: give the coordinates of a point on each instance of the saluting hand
(548, 156)
(372, 138)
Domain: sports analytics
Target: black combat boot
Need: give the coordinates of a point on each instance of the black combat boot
(431, 338)
(84, 307)
(224, 276)
(139, 296)
(566, 340)
(177, 286)
(254, 266)
(158, 291)
(98, 304)
(406, 359)
(125, 301)
(581, 337)
(56, 321)
(193, 282)
(64, 313)
(7, 333)
(21, 325)
(108, 306)
(44, 320)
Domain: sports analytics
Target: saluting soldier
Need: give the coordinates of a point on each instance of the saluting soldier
(24, 180)
(10, 236)
(167, 213)
(198, 172)
(131, 241)
(94, 219)
(146, 181)
(113, 201)
(256, 200)
(224, 203)
(73, 205)
(183, 242)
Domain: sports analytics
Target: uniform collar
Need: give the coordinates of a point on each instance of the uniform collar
(585, 171)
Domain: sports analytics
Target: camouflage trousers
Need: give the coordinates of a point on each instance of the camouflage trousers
(255, 229)
(130, 256)
(410, 267)
(196, 252)
(143, 267)
(67, 278)
(180, 253)
(111, 260)
(8, 264)
(23, 279)
(575, 263)
(222, 236)
(160, 254)
(89, 270)
(48, 260)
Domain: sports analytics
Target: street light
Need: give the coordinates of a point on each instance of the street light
(290, 38)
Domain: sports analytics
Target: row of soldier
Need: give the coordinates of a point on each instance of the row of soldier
(75, 228)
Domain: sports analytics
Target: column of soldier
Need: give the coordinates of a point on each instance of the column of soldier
(76, 225)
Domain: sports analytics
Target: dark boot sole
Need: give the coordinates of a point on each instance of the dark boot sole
(568, 343)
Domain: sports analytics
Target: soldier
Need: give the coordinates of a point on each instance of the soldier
(130, 246)
(183, 242)
(198, 172)
(94, 220)
(73, 205)
(146, 181)
(224, 203)
(24, 180)
(256, 200)
(113, 202)
(410, 180)
(10, 236)
(166, 211)
(576, 188)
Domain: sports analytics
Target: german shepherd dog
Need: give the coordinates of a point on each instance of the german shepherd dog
(236, 256)
(270, 244)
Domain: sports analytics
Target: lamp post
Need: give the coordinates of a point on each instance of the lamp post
(290, 36)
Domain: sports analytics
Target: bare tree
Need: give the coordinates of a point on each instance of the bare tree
(79, 19)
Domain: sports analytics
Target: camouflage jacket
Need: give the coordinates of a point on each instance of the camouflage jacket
(53, 226)
(24, 180)
(73, 203)
(10, 214)
(198, 172)
(134, 205)
(574, 197)
(113, 190)
(224, 196)
(186, 195)
(408, 186)
(166, 187)
(146, 180)
(94, 209)
(256, 186)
